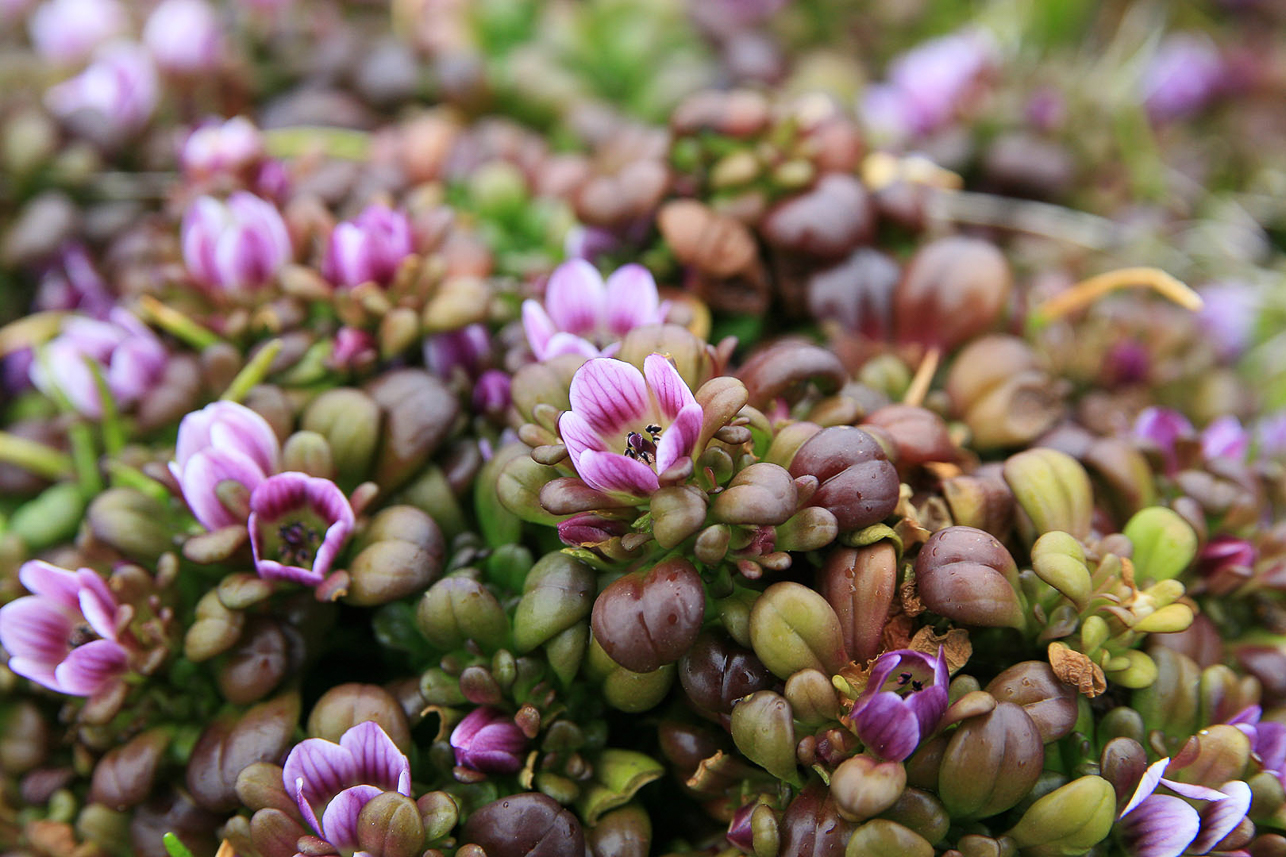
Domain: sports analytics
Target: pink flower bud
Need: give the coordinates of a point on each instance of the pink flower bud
(489, 741)
(369, 248)
(66, 32)
(122, 350)
(184, 36)
(223, 442)
(111, 99)
(234, 246)
(222, 148)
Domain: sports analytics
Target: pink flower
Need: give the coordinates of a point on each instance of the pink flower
(1182, 77)
(111, 99)
(902, 704)
(64, 636)
(927, 85)
(72, 283)
(65, 32)
(184, 36)
(332, 782)
(581, 315)
(234, 246)
(468, 349)
(369, 248)
(122, 349)
(298, 524)
(224, 451)
(489, 741)
(222, 148)
(627, 426)
(1154, 825)
(1225, 438)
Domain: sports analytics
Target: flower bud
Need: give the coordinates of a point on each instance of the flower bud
(624, 832)
(347, 705)
(953, 289)
(1053, 490)
(625, 689)
(1068, 821)
(124, 776)
(922, 812)
(966, 575)
(648, 619)
(715, 673)
(131, 522)
(215, 630)
(184, 37)
(419, 411)
(991, 762)
(883, 838)
(859, 583)
(234, 246)
(1059, 560)
(349, 420)
(260, 786)
(262, 734)
(858, 484)
(811, 826)
(863, 786)
(275, 833)
(812, 698)
(1164, 544)
(257, 664)
(1002, 395)
(793, 628)
(1050, 704)
(308, 452)
(761, 494)
(456, 609)
(390, 826)
(489, 741)
(401, 552)
(557, 594)
(827, 221)
(919, 435)
(524, 825)
(677, 513)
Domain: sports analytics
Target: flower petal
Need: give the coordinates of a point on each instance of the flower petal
(569, 343)
(325, 768)
(202, 475)
(87, 668)
(680, 437)
(379, 761)
(1147, 785)
(538, 326)
(339, 822)
(616, 473)
(611, 396)
(632, 299)
(97, 604)
(1219, 818)
(59, 584)
(578, 436)
(575, 297)
(1270, 745)
(667, 386)
(36, 629)
(887, 727)
(1160, 826)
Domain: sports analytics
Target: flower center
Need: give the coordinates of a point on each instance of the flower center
(642, 447)
(905, 679)
(298, 543)
(80, 635)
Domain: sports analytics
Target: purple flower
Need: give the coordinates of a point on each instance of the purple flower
(1226, 554)
(234, 246)
(926, 85)
(590, 528)
(222, 148)
(224, 452)
(72, 283)
(352, 346)
(1267, 739)
(1154, 825)
(122, 349)
(1228, 317)
(332, 782)
(902, 704)
(491, 392)
(489, 741)
(740, 833)
(1163, 428)
(111, 99)
(468, 348)
(1270, 435)
(1225, 438)
(626, 426)
(184, 36)
(64, 635)
(369, 248)
(1182, 77)
(582, 315)
(298, 524)
(65, 32)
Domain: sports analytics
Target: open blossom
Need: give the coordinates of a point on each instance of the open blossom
(627, 426)
(1267, 739)
(369, 248)
(63, 636)
(72, 283)
(332, 782)
(67, 31)
(1159, 825)
(234, 246)
(112, 98)
(298, 524)
(583, 315)
(184, 36)
(122, 349)
(222, 148)
(927, 85)
(224, 451)
(902, 704)
(489, 741)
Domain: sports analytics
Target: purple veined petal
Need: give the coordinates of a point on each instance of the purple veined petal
(43, 578)
(325, 768)
(248, 433)
(97, 604)
(339, 822)
(1225, 438)
(887, 727)
(34, 629)
(569, 343)
(667, 386)
(885, 664)
(1193, 791)
(39, 670)
(538, 326)
(579, 436)
(1250, 715)
(1147, 785)
(270, 569)
(575, 297)
(87, 668)
(1219, 818)
(1270, 745)
(680, 437)
(1160, 826)
(611, 396)
(616, 473)
(348, 261)
(632, 299)
(928, 705)
(379, 761)
(202, 476)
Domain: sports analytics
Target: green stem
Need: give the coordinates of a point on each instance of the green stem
(85, 456)
(177, 324)
(34, 457)
(113, 430)
(253, 372)
(131, 477)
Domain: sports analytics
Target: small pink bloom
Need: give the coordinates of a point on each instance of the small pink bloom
(223, 443)
(1228, 316)
(352, 346)
(1163, 428)
(590, 528)
(332, 782)
(1183, 76)
(369, 248)
(927, 85)
(234, 246)
(491, 392)
(298, 524)
(110, 100)
(467, 349)
(222, 148)
(1225, 438)
(65, 32)
(1157, 825)
(184, 36)
(123, 350)
(582, 315)
(626, 426)
(72, 283)
(489, 741)
(902, 704)
(63, 636)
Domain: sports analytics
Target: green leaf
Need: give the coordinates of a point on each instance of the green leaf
(618, 775)
(174, 847)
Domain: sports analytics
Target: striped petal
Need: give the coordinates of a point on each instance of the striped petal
(87, 668)
(667, 385)
(632, 299)
(575, 297)
(611, 396)
(1160, 826)
(378, 759)
(1219, 818)
(616, 474)
(339, 822)
(680, 437)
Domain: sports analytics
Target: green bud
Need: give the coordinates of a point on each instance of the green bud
(243, 590)
(456, 609)
(1059, 560)
(519, 486)
(558, 593)
(431, 493)
(1053, 489)
(308, 452)
(1094, 633)
(399, 329)
(259, 786)
(389, 570)
(1133, 669)
(50, 518)
(440, 813)
(498, 525)
(883, 838)
(922, 812)
(624, 832)
(812, 698)
(346, 705)
(625, 690)
(811, 528)
(677, 513)
(349, 421)
(389, 825)
(438, 687)
(712, 544)
(1170, 619)
(1068, 821)
(763, 729)
(131, 522)
(1164, 543)
(215, 630)
(1268, 795)
(787, 441)
(1172, 702)
(507, 566)
(863, 786)
(765, 832)
(1121, 722)
(991, 762)
(566, 650)
(618, 775)
(734, 614)
(793, 628)
(761, 494)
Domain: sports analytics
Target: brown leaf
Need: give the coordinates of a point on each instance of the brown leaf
(1076, 669)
